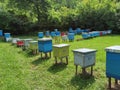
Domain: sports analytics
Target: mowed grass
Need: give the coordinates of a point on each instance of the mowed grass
(21, 71)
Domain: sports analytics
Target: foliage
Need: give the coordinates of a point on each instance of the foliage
(118, 18)
(16, 24)
(62, 14)
(37, 8)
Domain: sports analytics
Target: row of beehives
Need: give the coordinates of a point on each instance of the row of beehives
(95, 34)
(84, 57)
(86, 33)
(70, 35)
(64, 35)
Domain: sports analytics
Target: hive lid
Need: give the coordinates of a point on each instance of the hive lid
(33, 41)
(115, 48)
(44, 39)
(84, 50)
(28, 39)
(6, 33)
(20, 39)
(61, 45)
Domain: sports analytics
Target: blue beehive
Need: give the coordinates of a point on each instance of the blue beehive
(1, 32)
(57, 33)
(40, 34)
(86, 35)
(53, 34)
(45, 45)
(47, 33)
(96, 33)
(75, 31)
(7, 35)
(92, 34)
(79, 31)
(55, 30)
(71, 36)
(86, 30)
(113, 62)
(71, 30)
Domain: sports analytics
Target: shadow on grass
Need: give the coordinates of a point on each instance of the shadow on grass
(57, 67)
(39, 60)
(82, 81)
(29, 53)
(114, 87)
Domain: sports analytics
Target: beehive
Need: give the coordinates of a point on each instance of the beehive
(71, 36)
(20, 42)
(45, 45)
(14, 40)
(47, 33)
(53, 34)
(61, 50)
(1, 32)
(40, 34)
(26, 42)
(113, 62)
(84, 57)
(33, 45)
(7, 35)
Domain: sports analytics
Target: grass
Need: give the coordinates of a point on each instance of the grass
(21, 71)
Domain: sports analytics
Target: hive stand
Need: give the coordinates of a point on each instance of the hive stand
(46, 55)
(34, 51)
(109, 82)
(56, 59)
(84, 70)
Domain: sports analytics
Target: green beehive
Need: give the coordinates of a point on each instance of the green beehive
(33, 45)
(61, 50)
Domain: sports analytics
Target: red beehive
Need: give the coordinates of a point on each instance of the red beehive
(20, 43)
(101, 33)
(62, 33)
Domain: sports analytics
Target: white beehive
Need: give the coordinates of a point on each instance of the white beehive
(14, 40)
(84, 57)
(26, 42)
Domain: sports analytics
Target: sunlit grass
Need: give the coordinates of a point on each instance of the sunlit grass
(20, 71)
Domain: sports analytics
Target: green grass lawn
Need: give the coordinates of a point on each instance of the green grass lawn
(21, 71)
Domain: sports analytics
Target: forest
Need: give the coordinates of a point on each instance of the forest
(21, 16)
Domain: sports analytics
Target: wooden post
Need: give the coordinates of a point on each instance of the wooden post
(50, 54)
(116, 81)
(41, 54)
(76, 69)
(46, 55)
(61, 60)
(67, 60)
(91, 70)
(83, 71)
(55, 60)
(36, 51)
(109, 83)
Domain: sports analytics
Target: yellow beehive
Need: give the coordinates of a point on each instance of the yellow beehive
(57, 39)
(61, 50)
(33, 45)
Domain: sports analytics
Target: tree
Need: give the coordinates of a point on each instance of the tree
(38, 8)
